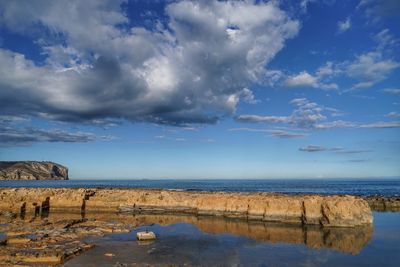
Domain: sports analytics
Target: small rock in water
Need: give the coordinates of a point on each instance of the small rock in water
(147, 235)
(109, 254)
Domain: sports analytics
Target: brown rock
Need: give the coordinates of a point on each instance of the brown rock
(383, 204)
(338, 211)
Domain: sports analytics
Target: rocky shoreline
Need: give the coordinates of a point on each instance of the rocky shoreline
(49, 226)
(329, 211)
(384, 204)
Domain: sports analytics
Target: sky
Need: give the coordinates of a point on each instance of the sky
(119, 89)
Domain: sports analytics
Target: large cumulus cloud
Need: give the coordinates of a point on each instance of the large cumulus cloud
(192, 69)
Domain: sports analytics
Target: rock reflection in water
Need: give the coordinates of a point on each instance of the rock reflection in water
(346, 240)
(180, 238)
(189, 240)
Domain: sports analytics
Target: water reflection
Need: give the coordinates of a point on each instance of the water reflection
(211, 241)
(346, 240)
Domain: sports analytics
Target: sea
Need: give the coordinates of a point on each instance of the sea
(217, 241)
(359, 187)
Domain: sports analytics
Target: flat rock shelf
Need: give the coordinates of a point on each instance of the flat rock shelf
(326, 211)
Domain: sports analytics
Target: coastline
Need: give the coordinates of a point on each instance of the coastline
(330, 211)
(51, 225)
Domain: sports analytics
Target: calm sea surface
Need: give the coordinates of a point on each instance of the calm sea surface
(227, 243)
(362, 187)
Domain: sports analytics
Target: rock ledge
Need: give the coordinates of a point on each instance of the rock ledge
(331, 211)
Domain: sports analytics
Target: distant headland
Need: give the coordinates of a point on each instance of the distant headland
(32, 170)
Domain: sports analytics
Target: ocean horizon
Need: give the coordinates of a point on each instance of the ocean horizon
(388, 187)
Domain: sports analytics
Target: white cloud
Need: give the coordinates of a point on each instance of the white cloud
(366, 69)
(304, 79)
(338, 150)
(306, 115)
(370, 68)
(193, 71)
(382, 124)
(376, 10)
(304, 4)
(385, 39)
(265, 119)
(348, 124)
(312, 116)
(12, 134)
(273, 133)
(335, 124)
(394, 91)
(344, 25)
(327, 70)
(287, 134)
(393, 114)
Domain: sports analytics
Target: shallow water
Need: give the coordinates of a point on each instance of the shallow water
(362, 187)
(217, 242)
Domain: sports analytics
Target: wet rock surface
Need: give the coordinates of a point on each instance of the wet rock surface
(51, 240)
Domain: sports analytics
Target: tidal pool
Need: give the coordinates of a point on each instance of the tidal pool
(217, 242)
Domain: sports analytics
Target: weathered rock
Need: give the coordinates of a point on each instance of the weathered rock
(32, 170)
(378, 203)
(18, 240)
(49, 241)
(337, 211)
(145, 235)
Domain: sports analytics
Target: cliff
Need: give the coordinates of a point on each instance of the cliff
(330, 211)
(32, 170)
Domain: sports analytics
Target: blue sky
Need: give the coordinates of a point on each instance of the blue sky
(202, 89)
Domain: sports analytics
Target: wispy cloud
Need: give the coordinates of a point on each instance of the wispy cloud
(306, 115)
(272, 132)
(304, 79)
(344, 151)
(348, 124)
(312, 148)
(394, 91)
(393, 114)
(266, 119)
(312, 116)
(381, 124)
(26, 136)
(376, 10)
(339, 150)
(344, 25)
(358, 160)
(15, 132)
(287, 134)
